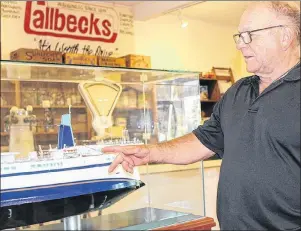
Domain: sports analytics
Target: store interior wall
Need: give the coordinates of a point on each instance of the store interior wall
(198, 47)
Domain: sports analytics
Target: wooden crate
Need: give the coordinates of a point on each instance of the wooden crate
(111, 61)
(80, 59)
(137, 61)
(36, 55)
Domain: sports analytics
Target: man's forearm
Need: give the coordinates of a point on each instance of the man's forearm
(183, 150)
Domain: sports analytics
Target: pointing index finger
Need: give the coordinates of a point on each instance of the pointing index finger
(111, 149)
(127, 150)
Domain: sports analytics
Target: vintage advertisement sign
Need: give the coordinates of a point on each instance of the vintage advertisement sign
(90, 28)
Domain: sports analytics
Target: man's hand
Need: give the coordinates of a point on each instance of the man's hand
(128, 156)
(183, 150)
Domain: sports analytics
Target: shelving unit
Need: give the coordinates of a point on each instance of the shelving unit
(156, 105)
(211, 83)
(82, 130)
(212, 86)
(14, 93)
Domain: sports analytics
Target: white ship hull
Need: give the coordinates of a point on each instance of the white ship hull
(35, 181)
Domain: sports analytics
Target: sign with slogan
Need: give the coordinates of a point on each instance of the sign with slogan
(87, 27)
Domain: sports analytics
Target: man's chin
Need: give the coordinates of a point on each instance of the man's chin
(251, 69)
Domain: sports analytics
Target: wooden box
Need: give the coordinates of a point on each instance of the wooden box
(111, 61)
(36, 55)
(80, 59)
(138, 61)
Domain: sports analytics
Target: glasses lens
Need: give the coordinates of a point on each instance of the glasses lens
(236, 38)
(246, 37)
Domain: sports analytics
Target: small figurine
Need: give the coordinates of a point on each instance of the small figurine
(31, 119)
(48, 120)
(20, 123)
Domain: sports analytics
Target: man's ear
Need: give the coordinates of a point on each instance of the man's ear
(287, 37)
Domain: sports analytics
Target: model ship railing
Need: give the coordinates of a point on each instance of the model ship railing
(89, 148)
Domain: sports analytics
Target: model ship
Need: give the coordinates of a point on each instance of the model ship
(66, 180)
(65, 171)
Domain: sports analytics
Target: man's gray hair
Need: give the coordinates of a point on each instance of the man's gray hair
(291, 10)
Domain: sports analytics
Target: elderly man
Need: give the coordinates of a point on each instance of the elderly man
(254, 128)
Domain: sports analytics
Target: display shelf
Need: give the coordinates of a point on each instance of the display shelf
(6, 107)
(88, 71)
(63, 107)
(209, 86)
(44, 133)
(33, 81)
(209, 101)
(55, 133)
(41, 107)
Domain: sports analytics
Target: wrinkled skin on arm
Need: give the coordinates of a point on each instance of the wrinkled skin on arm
(180, 151)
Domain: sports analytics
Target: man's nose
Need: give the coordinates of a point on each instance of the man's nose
(240, 44)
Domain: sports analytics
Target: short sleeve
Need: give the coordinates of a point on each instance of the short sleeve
(210, 133)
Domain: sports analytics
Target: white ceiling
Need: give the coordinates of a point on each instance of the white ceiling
(223, 12)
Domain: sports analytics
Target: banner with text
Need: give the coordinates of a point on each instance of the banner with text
(75, 27)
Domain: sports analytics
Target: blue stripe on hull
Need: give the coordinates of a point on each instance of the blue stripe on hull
(32, 195)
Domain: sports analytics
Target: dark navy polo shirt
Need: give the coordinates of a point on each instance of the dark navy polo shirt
(258, 138)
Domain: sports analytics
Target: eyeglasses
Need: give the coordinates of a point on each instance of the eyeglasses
(246, 35)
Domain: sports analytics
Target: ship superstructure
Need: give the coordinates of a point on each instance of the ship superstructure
(65, 171)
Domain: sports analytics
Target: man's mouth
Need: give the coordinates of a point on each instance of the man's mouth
(248, 57)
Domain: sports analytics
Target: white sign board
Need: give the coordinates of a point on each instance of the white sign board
(92, 28)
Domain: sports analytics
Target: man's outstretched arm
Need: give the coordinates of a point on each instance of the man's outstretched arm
(183, 150)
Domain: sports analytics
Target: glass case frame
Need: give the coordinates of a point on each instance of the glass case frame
(160, 96)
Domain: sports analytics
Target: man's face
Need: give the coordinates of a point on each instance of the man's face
(262, 53)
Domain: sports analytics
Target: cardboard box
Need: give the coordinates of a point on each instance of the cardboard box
(137, 61)
(36, 55)
(111, 61)
(80, 59)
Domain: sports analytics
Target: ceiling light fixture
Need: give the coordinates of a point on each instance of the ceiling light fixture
(183, 22)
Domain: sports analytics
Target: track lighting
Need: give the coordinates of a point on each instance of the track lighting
(183, 22)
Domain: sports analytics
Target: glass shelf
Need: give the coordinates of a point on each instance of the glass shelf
(86, 72)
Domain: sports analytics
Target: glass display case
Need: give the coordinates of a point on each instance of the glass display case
(100, 106)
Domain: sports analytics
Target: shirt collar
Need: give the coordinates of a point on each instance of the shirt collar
(251, 79)
(294, 74)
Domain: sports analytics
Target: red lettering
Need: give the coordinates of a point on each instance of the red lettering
(41, 3)
(83, 25)
(93, 24)
(51, 18)
(56, 19)
(106, 25)
(57, 22)
(47, 18)
(71, 23)
(39, 21)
